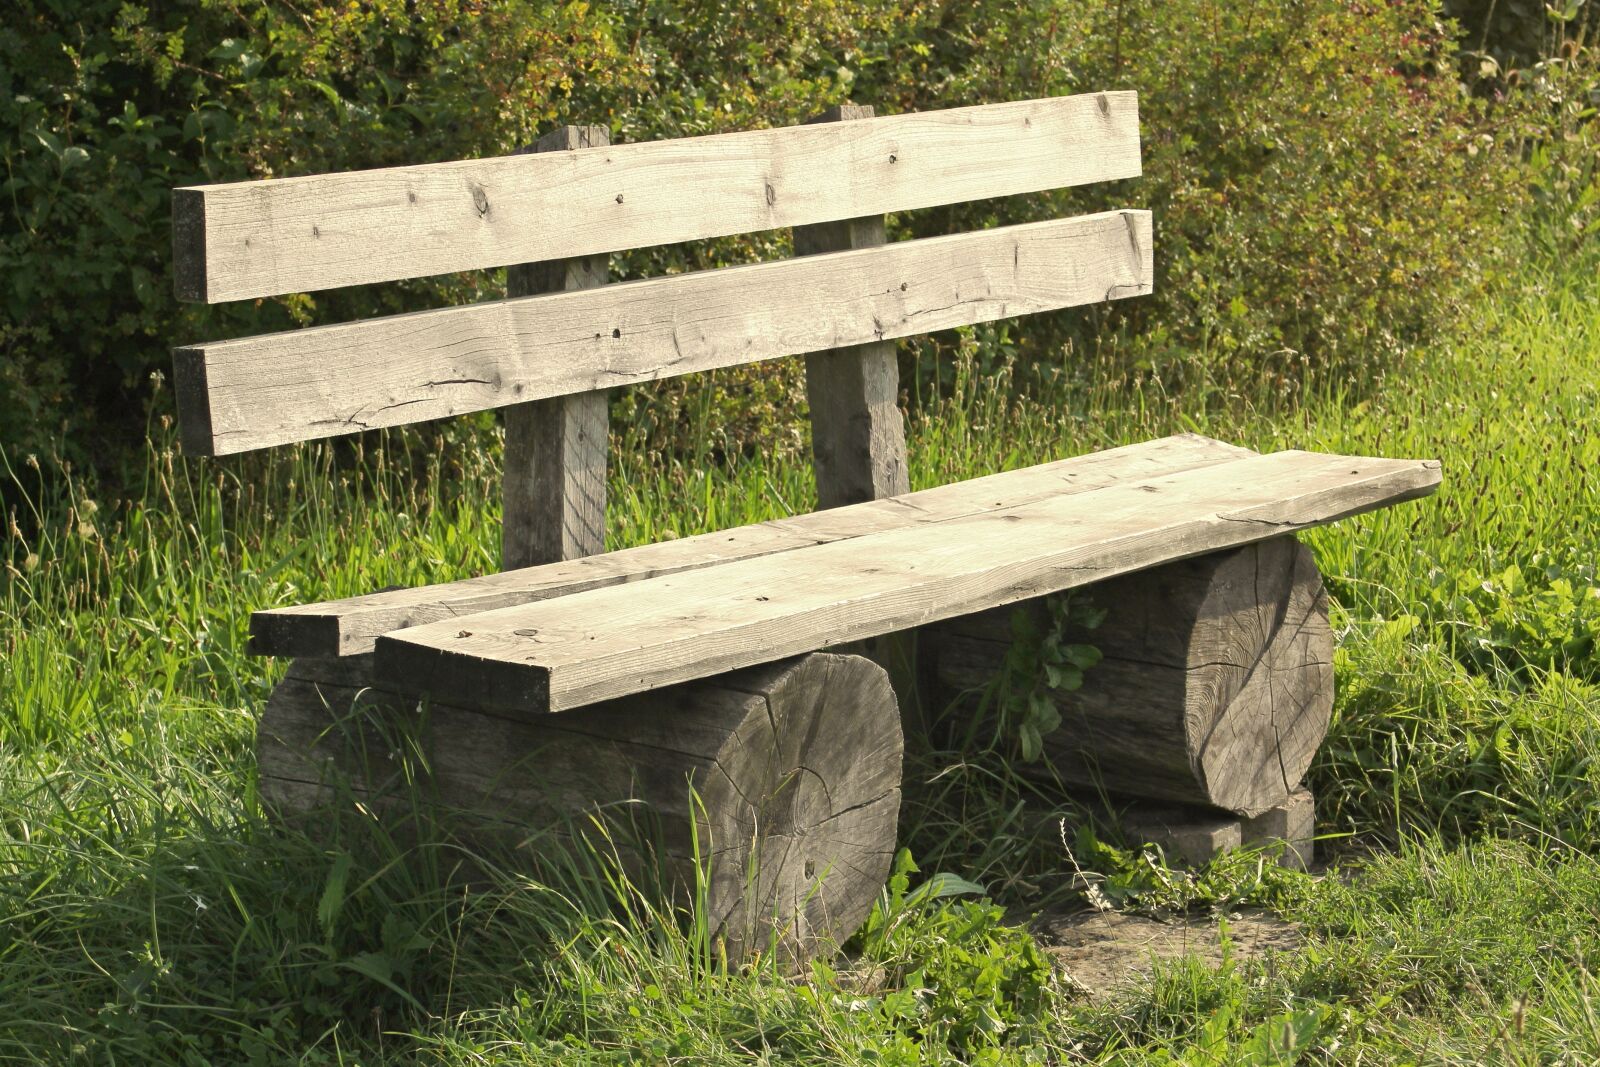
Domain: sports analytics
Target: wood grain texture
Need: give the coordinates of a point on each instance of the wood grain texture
(554, 474)
(351, 626)
(1216, 688)
(603, 643)
(286, 235)
(858, 439)
(796, 766)
(330, 380)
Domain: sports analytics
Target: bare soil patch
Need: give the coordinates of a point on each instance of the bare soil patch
(1102, 951)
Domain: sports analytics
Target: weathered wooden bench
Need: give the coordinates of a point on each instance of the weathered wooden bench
(579, 677)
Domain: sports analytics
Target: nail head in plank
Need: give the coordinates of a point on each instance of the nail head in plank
(285, 235)
(331, 380)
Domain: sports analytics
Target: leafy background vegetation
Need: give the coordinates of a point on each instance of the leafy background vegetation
(1371, 242)
(1329, 194)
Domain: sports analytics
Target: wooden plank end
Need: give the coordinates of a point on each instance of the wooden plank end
(189, 280)
(190, 387)
(442, 676)
(294, 633)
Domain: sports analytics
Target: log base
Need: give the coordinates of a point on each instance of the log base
(786, 777)
(1215, 689)
(1192, 837)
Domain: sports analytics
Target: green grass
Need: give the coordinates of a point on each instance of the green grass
(148, 912)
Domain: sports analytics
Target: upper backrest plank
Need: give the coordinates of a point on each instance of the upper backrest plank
(285, 235)
(278, 388)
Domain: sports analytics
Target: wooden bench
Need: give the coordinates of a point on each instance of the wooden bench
(579, 677)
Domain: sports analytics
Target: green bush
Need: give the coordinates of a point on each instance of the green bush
(110, 105)
(1326, 193)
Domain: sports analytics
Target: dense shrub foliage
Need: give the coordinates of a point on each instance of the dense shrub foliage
(1326, 191)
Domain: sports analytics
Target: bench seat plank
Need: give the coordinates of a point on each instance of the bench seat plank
(243, 240)
(279, 388)
(351, 626)
(609, 642)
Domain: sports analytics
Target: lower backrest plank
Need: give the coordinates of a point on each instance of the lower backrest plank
(603, 643)
(351, 626)
(321, 382)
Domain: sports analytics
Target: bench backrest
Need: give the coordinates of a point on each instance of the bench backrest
(557, 213)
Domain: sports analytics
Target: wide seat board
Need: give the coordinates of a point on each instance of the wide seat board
(274, 389)
(589, 646)
(352, 625)
(244, 240)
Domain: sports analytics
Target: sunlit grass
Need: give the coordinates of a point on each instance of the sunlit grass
(149, 913)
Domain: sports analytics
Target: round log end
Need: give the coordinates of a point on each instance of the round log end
(783, 779)
(1215, 689)
(803, 832)
(1257, 716)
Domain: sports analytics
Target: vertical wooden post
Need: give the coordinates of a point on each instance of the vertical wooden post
(555, 453)
(858, 438)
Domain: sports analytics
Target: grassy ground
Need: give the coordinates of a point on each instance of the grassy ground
(148, 913)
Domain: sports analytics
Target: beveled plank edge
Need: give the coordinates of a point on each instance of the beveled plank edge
(530, 688)
(308, 265)
(191, 393)
(189, 245)
(242, 413)
(343, 627)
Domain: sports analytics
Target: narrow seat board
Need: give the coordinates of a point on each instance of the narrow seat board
(352, 625)
(245, 240)
(274, 389)
(603, 643)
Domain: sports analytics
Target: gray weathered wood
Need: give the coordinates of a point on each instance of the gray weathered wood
(609, 642)
(330, 380)
(1196, 836)
(351, 626)
(299, 234)
(1216, 688)
(858, 438)
(796, 767)
(555, 449)
(1290, 826)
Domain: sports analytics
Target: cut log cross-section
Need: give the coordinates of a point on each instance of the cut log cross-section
(1216, 687)
(787, 776)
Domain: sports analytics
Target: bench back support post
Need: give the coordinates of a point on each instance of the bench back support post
(555, 450)
(858, 438)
